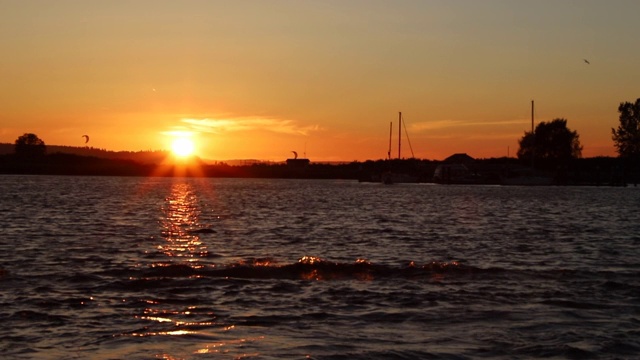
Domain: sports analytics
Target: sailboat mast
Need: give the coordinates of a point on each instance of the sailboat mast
(399, 134)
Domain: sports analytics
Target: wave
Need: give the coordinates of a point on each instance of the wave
(311, 268)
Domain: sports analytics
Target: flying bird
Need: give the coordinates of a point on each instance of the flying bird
(586, 61)
(86, 138)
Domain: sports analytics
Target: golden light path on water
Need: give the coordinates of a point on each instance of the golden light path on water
(182, 214)
(181, 226)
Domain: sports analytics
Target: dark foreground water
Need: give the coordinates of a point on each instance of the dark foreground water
(160, 268)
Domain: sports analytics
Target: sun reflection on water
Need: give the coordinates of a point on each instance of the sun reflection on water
(164, 333)
(182, 216)
(182, 254)
(222, 347)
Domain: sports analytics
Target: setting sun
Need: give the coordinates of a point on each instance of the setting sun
(182, 146)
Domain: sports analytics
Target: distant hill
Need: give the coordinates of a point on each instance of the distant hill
(143, 157)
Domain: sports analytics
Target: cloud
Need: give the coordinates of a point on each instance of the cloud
(222, 125)
(180, 131)
(444, 124)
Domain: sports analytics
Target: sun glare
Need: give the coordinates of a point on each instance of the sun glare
(182, 146)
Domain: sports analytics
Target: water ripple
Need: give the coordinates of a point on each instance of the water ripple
(142, 268)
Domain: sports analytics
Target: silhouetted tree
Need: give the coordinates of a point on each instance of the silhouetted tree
(551, 143)
(29, 146)
(626, 137)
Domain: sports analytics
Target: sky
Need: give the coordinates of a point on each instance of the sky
(260, 79)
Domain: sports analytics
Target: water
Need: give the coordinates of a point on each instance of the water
(162, 268)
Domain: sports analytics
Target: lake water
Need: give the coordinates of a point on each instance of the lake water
(174, 268)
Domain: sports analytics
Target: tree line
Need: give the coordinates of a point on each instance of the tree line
(551, 146)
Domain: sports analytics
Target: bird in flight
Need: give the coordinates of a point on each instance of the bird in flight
(586, 61)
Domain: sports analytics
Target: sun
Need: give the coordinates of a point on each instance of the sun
(182, 147)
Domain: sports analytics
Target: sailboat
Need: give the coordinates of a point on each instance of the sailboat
(391, 170)
(392, 176)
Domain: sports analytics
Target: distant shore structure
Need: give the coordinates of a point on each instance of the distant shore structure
(295, 162)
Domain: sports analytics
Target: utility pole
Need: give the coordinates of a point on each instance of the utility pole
(399, 134)
(390, 134)
(533, 136)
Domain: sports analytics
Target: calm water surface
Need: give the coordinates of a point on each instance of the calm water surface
(161, 268)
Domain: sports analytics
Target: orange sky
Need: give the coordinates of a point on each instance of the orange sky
(259, 79)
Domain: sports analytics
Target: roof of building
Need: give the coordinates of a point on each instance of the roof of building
(459, 158)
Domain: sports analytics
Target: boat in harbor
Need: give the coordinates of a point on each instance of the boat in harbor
(395, 175)
(394, 170)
